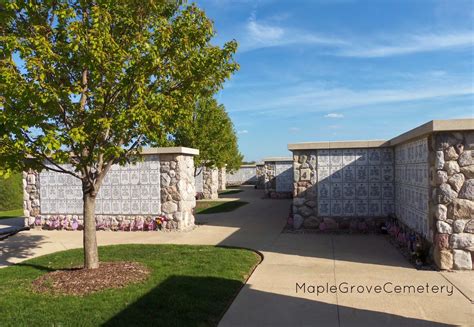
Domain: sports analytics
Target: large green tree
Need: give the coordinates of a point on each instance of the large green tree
(88, 83)
(211, 130)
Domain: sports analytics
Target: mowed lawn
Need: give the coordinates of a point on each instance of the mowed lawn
(228, 192)
(206, 207)
(11, 213)
(188, 286)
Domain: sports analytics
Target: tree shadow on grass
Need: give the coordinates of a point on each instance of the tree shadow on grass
(202, 301)
(181, 301)
(209, 207)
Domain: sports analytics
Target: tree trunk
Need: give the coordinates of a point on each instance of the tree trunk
(91, 254)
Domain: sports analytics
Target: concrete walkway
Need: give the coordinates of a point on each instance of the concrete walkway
(271, 298)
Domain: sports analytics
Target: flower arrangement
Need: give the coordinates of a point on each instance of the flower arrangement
(161, 222)
(414, 243)
(53, 223)
(38, 221)
(290, 220)
(73, 223)
(139, 224)
(124, 225)
(149, 224)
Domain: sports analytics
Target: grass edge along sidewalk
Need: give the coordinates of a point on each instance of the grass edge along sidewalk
(209, 206)
(188, 285)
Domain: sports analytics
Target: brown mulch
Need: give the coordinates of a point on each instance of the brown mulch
(79, 281)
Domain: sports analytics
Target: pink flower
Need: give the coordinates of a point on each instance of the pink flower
(75, 224)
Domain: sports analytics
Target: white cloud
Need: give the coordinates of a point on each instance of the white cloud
(264, 33)
(294, 130)
(301, 99)
(334, 115)
(244, 131)
(271, 33)
(261, 34)
(400, 45)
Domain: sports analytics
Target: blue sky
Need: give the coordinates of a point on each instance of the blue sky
(343, 70)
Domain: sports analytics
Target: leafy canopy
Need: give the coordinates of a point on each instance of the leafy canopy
(90, 82)
(211, 131)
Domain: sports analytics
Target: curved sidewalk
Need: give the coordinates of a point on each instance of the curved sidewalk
(270, 297)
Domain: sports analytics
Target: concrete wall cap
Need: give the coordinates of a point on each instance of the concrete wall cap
(171, 150)
(449, 125)
(278, 159)
(338, 145)
(465, 124)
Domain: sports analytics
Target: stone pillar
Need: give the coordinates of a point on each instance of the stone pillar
(222, 178)
(269, 178)
(31, 196)
(178, 190)
(210, 183)
(305, 211)
(452, 202)
(260, 172)
(278, 184)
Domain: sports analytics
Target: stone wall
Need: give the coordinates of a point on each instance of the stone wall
(199, 181)
(260, 173)
(210, 177)
(207, 182)
(245, 175)
(305, 192)
(452, 200)
(31, 194)
(222, 179)
(278, 177)
(330, 184)
(178, 191)
(419, 186)
(157, 193)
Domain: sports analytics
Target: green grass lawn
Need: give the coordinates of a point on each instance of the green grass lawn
(11, 213)
(233, 186)
(206, 207)
(230, 192)
(188, 286)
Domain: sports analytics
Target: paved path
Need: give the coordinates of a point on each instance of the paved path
(270, 297)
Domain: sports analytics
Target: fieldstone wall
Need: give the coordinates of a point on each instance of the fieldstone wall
(260, 173)
(222, 179)
(278, 179)
(210, 177)
(178, 191)
(305, 193)
(31, 194)
(158, 193)
(452, 200)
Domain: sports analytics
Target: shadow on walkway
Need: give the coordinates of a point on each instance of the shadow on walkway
(193, 301)
(19, 247)
(261, 222)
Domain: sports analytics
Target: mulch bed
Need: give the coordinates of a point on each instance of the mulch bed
(79, 281)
